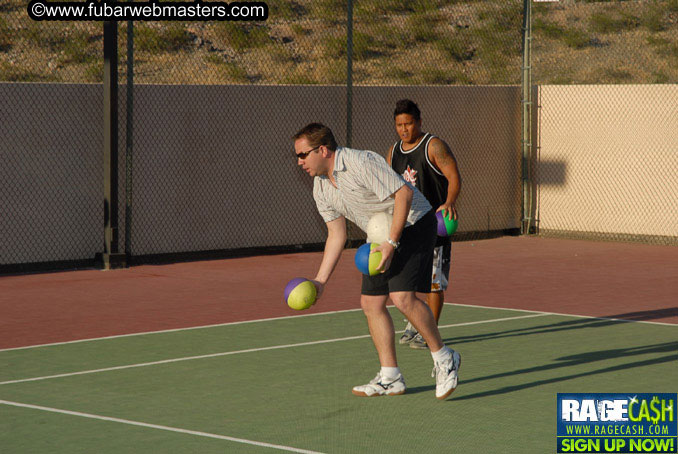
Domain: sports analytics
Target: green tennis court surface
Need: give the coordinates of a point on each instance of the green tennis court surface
(285, 385)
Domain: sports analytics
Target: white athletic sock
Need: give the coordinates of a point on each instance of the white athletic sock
(442, 354)
(390, 372)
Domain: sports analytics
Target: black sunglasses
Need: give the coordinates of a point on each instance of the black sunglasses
(304, 154)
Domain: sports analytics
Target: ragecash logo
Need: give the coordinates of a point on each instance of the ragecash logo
(641, 422)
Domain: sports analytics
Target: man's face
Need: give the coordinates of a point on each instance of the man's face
(408, 128)
(312, 162)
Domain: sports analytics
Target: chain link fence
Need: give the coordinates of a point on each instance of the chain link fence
(437, 42)
(217, 109)
(48, 52)
(607, 103)
(51, 117)
(460, 62)
(605, 42)
(206, 163)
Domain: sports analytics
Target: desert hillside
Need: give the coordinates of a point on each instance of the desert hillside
(399, 42)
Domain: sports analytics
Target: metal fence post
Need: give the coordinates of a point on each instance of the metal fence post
(111, 257)
(349, 73)
(130, 129)
(526, 118)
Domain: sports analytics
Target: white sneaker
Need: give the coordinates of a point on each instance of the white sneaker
(381, 387)
(446, 374)
(418, 342)
(409, 334)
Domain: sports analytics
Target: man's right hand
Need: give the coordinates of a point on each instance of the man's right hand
(319, 287)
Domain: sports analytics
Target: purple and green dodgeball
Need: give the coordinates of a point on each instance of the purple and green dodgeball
(446, 225)
(300, 293)
(366, 261)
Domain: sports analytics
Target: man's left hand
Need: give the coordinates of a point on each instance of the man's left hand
(447, 209)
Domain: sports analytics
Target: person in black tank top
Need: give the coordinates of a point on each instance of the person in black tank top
(427, 163)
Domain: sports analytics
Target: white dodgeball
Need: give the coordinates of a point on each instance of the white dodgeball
(379, 227)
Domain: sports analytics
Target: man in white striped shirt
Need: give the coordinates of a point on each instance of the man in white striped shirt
(356, 184)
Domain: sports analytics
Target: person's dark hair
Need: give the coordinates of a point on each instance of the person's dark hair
(406, 106)
(317, 134)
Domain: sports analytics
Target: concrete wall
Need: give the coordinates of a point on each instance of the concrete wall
(608, 159)
(213, 166)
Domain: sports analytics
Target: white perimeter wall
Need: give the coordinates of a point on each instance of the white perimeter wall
(608, 159)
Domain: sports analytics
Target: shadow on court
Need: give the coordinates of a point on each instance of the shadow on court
(422, 389)
(567, 325)
(569, 361)
(577, 361)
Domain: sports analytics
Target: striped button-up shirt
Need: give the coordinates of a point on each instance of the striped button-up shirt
(365, 183)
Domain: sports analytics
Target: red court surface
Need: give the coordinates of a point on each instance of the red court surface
(602, 279)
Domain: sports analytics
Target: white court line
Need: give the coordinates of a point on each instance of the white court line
(564, 315)
(145, 333)
(156, 426)
(250, 350)
(174, 330)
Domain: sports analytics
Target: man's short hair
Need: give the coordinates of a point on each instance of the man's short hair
(317, 134)
(406, 106)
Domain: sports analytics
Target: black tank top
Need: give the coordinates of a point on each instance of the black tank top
(416, 168)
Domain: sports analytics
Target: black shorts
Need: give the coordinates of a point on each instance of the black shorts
(410, 269)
